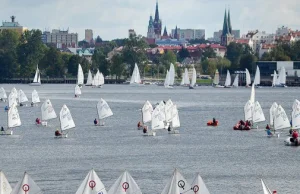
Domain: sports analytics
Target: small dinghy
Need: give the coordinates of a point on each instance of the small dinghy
(48, 112)
(26, 186)
(91, 184)
(125, 184)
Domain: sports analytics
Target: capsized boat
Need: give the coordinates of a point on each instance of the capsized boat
(228, 80)
(35, 97)
(26, 186)
(103, 111)
(66, 122)
(177, 184)
(198, 186)
(80, 76)
(48, 112)
(91, 184)
(37, 78)
(5, 187)
(125, 184)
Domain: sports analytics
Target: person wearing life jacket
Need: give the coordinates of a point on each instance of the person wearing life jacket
(214, 121)
(6, 108)
(145, 129)
(295, 136)
(169, 128)
(75, 96)
(269, 130)
(2, 128)
(139, 124)
(95, 121)
(21, 104)
(57, 133)
(38, 121)
(32, 104)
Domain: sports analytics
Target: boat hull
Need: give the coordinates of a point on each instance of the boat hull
(173, 132)
(210, 123)
(218, 86)
(151, 133)
(288, 142)
(35, 84)
(7, 132)
(61, 136)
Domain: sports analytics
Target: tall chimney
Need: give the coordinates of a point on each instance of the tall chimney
(13, 18)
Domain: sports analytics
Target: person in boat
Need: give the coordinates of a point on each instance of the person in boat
(95, 121)
(139, 124)
(2, 128)
(57, 133)
(32, 104)
(164, 102)
(38, 121)
(295, 137)
(21, 104)
(214, 121)
(145, 129)
(269, 130)
(291, 131)
(75, 96)
(169, 128)
(6, 108)
(242, 122)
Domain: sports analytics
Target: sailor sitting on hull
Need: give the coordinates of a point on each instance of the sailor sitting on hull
(37, 121)
(139, 125)
(95, 122)
(58, 133)
(294, 138)
(145, 129)
(268, 129)
(32, 104)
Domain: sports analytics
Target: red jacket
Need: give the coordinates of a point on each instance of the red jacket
(295, 135)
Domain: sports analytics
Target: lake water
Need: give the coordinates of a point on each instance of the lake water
(230, 162)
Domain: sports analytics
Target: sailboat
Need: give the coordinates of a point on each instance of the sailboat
(257, 78)
(35, 97)
(12, 97)
(89, 79)
(194, 79)
(177, 184)
(168, 107)
(274, 79)
(136, 78)
(258, 115)
(281, 81)
(266, 190)
(66, 121)
(167, 80)
(5, 187)
(37, 78)
(252, 96)
(248, 78)
(3, 95)
(175, 121)
(125, 184)
(217, 80)
(171, 75)
(48, 112)
(103, 111)
(77, 91)
(157, 121)
(80, 76)
(13, 120)
(22, 97)
(235, 83)
(182, 80)
(147, 112)
(198, 186)
(186, 77)
(91, 184)
(101, 80)
(228, 80)
(26, 186)
(272, 114)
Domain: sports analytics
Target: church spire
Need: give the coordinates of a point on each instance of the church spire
(176, 33)
(229, 22)
(165, 32)
(225, 25)
(156, 13)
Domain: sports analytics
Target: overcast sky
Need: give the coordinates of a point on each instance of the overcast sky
(112, 18)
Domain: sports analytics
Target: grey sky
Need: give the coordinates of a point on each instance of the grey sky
(112, 18)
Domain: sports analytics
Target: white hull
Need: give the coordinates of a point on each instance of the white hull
(280, 86)
(62, 136)
(227, 86)
(218, 86)
(44, 123)
(136, 84)
(288, 142)
(169, 87)
(151, 133)
(174, 132)
(35, 84)
(7, 132)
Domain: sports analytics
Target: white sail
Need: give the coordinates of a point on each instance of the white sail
(198, 185)
(147, 112)
(80, 76)
(66, 120)
(162, 108)
(12, 99)
(37, 76)
(216, 78)
(89, 78)
(171, 75)
(103, 109)
(248, 78)
(157, 119)
(252, 96)
(248, 110)
(182, 80)
(257, 77)
(93, 81)
(77, 90)
(135, 78)
(22, 97)
(228, 79)
(48, 111)
(295, 104)
(35, 97)
(282, 76)
(91, 184)
(96, 79)
(125, 184)
(167, 79)
(274, 78)
(2, 93)
(281, 120)
(186, 77)
(26, 186)
(272, 113)
(236, 81)
(13, 117)
(296, 115)
(194, 78)
(168, 110)
(5, 187)
(101, 79)
(258, 114)
(265, 188)
(177, 185)
(175, 117)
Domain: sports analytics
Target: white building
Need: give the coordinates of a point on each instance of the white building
(189, 34)
(62, 39)
(282, 31)
(260, 38)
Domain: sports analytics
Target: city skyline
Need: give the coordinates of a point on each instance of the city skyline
(113, 19)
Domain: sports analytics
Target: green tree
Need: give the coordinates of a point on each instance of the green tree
(248, 61)
(209, 66)
(222, 63)
(52, 63)
(167, 58)
(73, 65)
(208, 53)
(182, 54)
(98, 39)
(117, 66)
(234, 53)
(100, 62)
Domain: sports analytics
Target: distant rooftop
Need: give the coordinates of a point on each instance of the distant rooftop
(13, 23)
